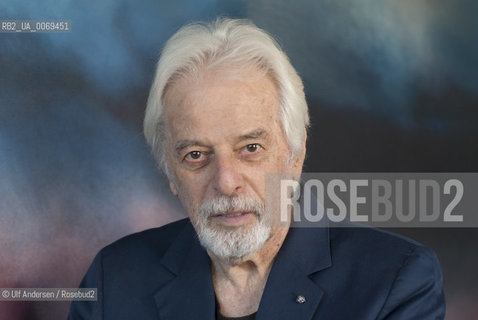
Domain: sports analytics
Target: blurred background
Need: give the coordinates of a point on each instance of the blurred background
(392, 85)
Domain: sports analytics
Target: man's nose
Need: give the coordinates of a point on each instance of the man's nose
(228, 179)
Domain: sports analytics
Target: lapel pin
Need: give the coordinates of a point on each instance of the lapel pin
(300, 299)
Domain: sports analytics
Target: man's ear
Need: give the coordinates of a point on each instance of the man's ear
(304, 145)
(172, 187)
(299, 162)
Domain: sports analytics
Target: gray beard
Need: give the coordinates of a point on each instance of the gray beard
(230, 242)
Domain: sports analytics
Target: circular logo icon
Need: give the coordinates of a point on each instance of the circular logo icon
(5, 293)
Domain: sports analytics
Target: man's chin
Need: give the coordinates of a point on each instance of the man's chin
(234, 244)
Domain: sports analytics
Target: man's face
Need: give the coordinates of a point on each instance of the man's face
(224, 135)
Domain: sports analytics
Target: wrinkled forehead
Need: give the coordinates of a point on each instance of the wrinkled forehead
(219, 105)
(194, 75)
(260, 82)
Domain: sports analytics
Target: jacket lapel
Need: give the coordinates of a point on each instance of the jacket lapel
(190, 293)
(304, 252)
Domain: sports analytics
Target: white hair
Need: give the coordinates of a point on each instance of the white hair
(224, 42)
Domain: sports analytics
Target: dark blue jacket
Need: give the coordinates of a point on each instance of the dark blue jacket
(343, 273)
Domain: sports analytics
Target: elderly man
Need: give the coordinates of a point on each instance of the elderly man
(225, 109)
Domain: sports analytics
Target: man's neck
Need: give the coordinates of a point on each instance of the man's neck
(239, 283)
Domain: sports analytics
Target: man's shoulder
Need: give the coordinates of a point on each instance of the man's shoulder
(366, 241)
(386, 271)
(383, 258)
(377, 249)
(132, 266)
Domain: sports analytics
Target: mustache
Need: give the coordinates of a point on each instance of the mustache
(223, 204)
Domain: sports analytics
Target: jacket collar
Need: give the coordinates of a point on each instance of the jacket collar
(304, 252)
(190, 292)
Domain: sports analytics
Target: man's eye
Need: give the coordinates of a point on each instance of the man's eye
(194, 155)
(253, 147)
